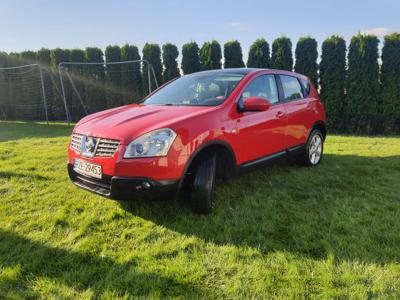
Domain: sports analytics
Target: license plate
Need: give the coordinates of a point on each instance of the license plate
(87, 168)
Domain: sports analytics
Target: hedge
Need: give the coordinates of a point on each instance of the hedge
(361, 92)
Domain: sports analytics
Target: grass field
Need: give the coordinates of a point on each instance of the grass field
(282, 232)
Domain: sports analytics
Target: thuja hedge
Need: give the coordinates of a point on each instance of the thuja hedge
(361, 94)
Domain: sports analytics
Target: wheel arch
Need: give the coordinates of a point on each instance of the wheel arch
(221, 147)
(320, 125)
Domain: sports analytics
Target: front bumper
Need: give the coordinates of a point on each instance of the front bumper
(120, 188)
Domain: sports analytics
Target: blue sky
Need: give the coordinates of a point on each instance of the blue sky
(33, 24)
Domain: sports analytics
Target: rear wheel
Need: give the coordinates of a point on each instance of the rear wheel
(203, 181)
(313, 152)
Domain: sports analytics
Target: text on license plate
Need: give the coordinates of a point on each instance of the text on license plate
(87, 168)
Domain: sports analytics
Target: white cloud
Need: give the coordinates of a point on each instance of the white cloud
(379, 32)
(238, 26)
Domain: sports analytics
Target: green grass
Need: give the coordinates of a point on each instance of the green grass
(282, 232)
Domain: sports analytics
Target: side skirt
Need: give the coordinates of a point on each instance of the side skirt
(266, 160)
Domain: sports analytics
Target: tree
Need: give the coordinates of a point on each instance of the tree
(152, 53)
(170, 54)
(306, 58)
(95, 80)
(210, 56)
(282, 54)
(5, 103)
(259, 55)
(113, 76)
(233, 55)
(132, 81)
(27, 57)
(78, 104)
(390, 80)
(332, 72)
(363, 84)
(190, 58)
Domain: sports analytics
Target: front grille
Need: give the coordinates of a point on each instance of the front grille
(76, 142)
(105, 147)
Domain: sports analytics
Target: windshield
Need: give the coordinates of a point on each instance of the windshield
(197, 90)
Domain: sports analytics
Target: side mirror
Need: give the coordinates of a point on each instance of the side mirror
(256, 104)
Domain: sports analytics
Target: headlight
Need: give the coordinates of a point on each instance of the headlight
(154, 143)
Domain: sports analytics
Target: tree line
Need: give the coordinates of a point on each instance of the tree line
(360, 89)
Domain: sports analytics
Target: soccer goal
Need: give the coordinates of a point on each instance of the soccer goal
(89, 87)
(28, 92)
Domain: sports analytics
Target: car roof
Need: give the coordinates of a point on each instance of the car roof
(245, 71)
(242, 71)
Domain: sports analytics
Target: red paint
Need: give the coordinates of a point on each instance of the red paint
(251, 134)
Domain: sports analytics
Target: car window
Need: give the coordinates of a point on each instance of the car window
(306, 85)
(291, 88)
(201, 89)
(264, 87)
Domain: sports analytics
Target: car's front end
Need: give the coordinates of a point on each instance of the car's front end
(110, 167)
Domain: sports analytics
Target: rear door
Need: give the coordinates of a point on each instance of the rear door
(297, 110)
(261, 133)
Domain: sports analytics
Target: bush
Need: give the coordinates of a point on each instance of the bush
(282, 54)
(113, 76)
(170, 54)
(332, 72)
(132, 82)
(77, 108)
(233, 55)
(95, 76)
(363, 84)
(390, 80)
(259, 55)
(27, 57)
(152, 53)
(306, 58)
(210, 56)
(190, 58)
(57, 56)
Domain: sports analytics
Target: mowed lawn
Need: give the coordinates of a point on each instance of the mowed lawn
(281, 232)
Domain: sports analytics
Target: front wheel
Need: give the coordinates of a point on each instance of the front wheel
(201, 199)
(314, 149)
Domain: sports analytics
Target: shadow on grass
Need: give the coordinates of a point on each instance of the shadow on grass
(8, 175)
(348, 207)
(82, 271)
(10, 131)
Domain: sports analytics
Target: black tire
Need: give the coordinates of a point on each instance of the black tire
(201, 196)
(305, 158)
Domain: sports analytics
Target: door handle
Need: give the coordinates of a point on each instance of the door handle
(308, 107)
(280, 114)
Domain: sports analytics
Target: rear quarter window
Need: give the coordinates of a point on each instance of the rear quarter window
(292, 89)
(306, 86)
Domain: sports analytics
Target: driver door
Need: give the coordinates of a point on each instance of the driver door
(261, 133)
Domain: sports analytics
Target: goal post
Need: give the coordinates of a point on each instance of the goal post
(21, 89)
(94, 86)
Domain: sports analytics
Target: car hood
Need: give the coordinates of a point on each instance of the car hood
(131, 121)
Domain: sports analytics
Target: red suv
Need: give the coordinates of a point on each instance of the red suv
(196, 129)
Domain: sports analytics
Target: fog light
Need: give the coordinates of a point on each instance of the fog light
(146, 185)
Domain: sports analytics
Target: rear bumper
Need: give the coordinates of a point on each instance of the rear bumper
(120, 188)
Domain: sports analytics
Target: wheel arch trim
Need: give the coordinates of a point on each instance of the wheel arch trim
(203, 147)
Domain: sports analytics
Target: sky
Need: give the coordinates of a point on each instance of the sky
(33, 24)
